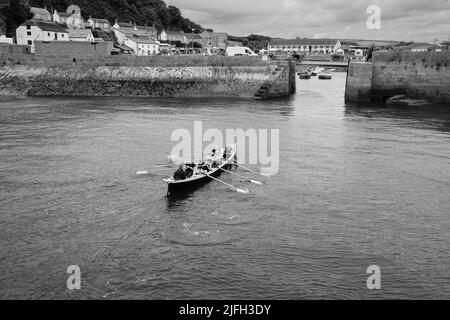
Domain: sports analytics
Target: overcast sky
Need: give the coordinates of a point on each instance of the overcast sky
(418, 20)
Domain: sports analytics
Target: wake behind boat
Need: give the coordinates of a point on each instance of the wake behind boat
(191, 175)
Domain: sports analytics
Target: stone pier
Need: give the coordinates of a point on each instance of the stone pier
(417, 75)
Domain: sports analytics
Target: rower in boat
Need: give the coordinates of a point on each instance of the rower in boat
(180, 174)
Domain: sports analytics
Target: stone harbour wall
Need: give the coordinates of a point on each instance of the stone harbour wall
(417, 75)
(209, 81)
(359, 82)
(85, 69)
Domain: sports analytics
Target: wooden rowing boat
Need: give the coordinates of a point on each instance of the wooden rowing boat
(175, 186)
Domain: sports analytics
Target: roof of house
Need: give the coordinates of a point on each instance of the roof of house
(125, 25)
(220, 34)
(175, 33)
(45, 26)
(36, 10)
(302, 42)
(136, 32)
(123, 47)
(420, 45)
(348, 43)
(79, 33)
(143, 40)
(193, 36)
(63, 14)
(146, 28)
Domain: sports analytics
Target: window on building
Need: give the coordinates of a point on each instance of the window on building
(30, 42)
(62, 36)
(49, 34)
(28, 33)
(28, 27)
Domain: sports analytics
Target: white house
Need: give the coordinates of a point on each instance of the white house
(39, 30)
(5, 39)
(75, 20)
(142, 46)
(81, 35)
(123, 33)
(359, 52)
(173, 36)
(72, 17)
(60, 17)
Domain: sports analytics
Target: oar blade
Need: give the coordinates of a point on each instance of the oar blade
(256, 182)
(142, 173)
(243, 191)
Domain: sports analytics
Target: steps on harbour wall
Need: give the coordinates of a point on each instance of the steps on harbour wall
(277, 87)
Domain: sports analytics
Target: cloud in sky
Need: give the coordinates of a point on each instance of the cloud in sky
(418, 20)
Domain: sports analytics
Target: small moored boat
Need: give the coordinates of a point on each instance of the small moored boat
(325, 75)
(304, 76)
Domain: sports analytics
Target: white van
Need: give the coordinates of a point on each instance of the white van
(240, 51)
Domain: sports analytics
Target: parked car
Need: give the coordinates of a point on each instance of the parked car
(240, 51)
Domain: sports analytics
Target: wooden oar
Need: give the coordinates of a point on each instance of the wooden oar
(141, 173)
(244, 177)
(244, 191)
(251, 171)
(165, 165)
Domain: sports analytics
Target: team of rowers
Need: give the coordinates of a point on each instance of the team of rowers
(214, 160)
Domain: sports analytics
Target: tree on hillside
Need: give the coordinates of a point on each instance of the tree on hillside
(13, 16)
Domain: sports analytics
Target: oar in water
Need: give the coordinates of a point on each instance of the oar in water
(244, 177)
(251, 171)
(244, 191)
(165, 165)
(141, 173)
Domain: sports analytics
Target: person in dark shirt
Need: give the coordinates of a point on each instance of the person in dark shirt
(180, 174)
(189, 172)
(205, 167)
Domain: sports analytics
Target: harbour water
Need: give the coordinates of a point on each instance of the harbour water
(356, 187)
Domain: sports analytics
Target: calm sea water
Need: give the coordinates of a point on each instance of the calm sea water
(356, 187)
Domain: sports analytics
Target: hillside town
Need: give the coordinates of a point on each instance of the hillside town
(130, 38)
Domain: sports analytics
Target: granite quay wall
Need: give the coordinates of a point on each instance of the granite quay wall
(418, 75)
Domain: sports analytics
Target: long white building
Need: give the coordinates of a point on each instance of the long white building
(40, 30)
(307, 46)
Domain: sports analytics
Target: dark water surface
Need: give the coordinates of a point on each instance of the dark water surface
(356, 187)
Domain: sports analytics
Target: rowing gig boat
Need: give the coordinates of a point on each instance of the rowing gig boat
(197, 180)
